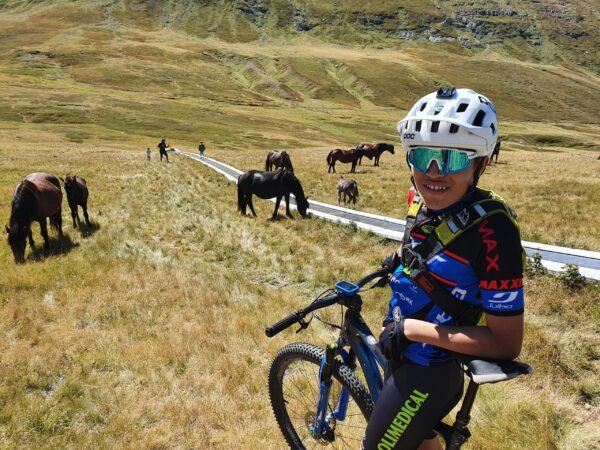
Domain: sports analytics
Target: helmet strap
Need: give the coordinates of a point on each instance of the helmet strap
(481, 164)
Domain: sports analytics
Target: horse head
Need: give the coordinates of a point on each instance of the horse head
(383, 146)
(296, 189)
(302, 204)
(17, 240)
(69, 183)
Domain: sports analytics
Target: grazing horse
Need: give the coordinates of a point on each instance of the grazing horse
(278, 159)
(38, 196)
(496, 151)
(348, 188)
(345, 156)
(77, 194)
(375, 151)
(268, 185)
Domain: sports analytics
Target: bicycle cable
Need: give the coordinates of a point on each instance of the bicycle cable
(316, 316)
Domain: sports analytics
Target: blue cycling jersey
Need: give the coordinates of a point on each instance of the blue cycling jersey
(483, 266)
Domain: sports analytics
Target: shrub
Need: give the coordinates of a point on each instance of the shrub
(571, 278)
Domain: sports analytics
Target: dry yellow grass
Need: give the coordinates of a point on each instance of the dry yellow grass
(149, 332)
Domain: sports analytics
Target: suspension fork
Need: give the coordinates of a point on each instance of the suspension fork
(325, 382)
(321, 423)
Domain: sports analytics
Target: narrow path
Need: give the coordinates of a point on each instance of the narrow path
(554, 258)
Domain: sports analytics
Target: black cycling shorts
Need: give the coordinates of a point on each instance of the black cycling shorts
(413, 400)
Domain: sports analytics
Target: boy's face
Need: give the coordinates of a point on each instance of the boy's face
(441, 191)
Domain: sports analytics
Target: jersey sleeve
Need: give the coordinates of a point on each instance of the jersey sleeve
(499, 266)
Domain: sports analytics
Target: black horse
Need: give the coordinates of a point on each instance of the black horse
(77, 194)
(268, 185)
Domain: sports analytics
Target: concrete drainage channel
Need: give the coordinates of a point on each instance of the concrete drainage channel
(554, 258)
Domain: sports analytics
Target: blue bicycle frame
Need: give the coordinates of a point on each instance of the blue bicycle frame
(364, 348)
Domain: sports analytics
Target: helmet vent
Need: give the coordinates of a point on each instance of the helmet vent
(493, 128)
(453, 128)
(418, 126)
(462, 107)
(423, 106)
(434, 126)
(479, 118)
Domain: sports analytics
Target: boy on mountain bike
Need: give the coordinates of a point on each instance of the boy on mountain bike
(461, 258)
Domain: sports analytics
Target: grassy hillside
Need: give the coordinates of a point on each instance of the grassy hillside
(146, 331)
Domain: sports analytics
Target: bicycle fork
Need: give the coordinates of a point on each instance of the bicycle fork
(321, 427)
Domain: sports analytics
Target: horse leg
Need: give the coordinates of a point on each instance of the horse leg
(85, 214)
(74, 216)
(287, 206)
(339, 196)
(30, 236)
(353, 168)
(277, 202)
(250, 205)
(44, 232)
(376, 163)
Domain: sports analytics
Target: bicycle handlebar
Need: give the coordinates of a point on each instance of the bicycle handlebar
(327, 301)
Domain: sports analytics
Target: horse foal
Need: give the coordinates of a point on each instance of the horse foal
(349, 188)
(77, 194)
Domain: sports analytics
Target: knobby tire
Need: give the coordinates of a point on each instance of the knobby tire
(294, 389)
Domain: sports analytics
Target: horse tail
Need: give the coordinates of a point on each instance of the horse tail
(330, 157)
(356, 190)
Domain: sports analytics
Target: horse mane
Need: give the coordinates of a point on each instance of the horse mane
(22, 202)
(295, 185)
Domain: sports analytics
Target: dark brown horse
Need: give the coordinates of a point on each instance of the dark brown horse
(344, 156)
(375, 151)
(496, 151)
(349, 188)
(38, 196)
(278, 160)
(77, 194)
(268, 185)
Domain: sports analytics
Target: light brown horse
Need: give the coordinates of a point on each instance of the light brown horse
(77, 194)
(278, 160)
(38, 196)
(375, 151)
(349, 188)
(344, 156)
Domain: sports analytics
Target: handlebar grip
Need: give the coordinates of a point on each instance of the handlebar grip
(283, 324)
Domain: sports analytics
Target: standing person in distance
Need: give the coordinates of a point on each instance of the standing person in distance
(201, 148)
(148, 153)
(162, 147)
(461, 258)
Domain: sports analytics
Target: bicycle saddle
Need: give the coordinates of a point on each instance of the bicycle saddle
(483, 371)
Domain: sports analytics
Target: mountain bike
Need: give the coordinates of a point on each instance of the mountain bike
(317, 394)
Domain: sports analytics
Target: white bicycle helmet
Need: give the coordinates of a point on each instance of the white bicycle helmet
(454, 118)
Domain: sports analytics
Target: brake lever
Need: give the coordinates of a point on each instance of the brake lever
(304, 324)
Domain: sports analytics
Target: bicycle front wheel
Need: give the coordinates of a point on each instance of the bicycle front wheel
(294, 391)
